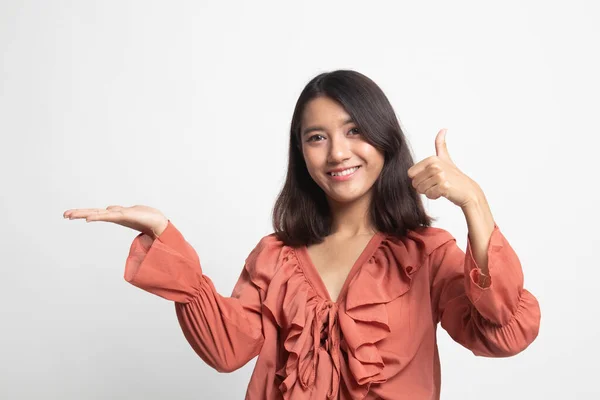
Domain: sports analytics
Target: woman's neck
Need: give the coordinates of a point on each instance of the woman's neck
(352, 218)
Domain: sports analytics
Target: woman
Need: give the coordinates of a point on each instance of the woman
(342, 300)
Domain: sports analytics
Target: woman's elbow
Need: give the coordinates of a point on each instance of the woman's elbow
(516, 336)
(230, 365)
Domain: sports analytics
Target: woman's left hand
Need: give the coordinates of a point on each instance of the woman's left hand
(437, 176)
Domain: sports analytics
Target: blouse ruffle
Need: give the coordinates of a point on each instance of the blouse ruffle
(314, 329)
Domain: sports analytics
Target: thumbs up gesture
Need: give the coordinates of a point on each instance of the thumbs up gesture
(437, 176)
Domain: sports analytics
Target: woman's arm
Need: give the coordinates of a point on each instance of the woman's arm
(226, 332)
(481, 302)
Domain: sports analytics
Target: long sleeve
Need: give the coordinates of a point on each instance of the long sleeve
(493, 315)
(226, 332)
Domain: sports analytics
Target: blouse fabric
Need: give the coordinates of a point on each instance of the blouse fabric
(377, 341)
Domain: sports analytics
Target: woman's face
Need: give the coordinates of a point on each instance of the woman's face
(331, 141)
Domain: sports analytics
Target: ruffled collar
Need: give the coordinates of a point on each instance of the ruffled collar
(311, 273)
(315, 329)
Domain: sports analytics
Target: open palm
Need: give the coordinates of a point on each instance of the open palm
(144, 219)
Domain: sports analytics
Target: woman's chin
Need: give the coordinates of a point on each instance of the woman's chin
(344, 198)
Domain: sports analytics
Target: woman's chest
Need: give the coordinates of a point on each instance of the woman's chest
(334, 261)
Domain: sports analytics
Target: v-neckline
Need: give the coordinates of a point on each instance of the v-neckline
(312, 274)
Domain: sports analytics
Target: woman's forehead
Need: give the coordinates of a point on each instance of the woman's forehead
(323, 110)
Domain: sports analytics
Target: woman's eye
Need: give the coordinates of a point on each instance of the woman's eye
(312, 138)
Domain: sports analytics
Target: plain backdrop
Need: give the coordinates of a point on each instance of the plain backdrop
(186, 106)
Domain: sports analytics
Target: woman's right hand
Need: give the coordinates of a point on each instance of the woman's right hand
(144, 219)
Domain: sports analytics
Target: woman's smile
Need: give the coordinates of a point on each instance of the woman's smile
(343, 175)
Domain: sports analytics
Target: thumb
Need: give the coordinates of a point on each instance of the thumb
(441, 150)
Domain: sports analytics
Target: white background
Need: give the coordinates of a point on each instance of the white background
(186, 107)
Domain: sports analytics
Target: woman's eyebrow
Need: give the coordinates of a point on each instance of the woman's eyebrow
(320, 128)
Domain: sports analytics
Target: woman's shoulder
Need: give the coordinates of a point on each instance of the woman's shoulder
(422, 241)
(267, 256)
(268, 247)
(267, 243)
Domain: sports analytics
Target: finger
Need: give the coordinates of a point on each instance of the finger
(440, 143)
(441, 148)
(103, 215)
(426, 174)
(86, 213)
(433, 193)
(428, 182)
(78, 212)
(438, 190)
(420, 166)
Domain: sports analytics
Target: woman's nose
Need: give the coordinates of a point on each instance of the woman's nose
(339, 150)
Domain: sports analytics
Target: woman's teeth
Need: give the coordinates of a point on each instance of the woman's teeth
(344, 172)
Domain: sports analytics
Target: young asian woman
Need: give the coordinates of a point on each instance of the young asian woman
(343, 299)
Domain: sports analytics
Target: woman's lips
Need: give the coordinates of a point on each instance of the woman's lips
(340, 178)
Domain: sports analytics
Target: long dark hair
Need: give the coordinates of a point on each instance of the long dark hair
(301, 213)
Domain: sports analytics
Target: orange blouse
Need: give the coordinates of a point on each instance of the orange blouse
(377, 341)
